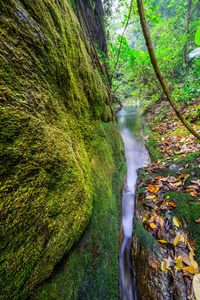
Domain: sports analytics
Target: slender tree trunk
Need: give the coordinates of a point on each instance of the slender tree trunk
(158, 72)
(116, 63)
(187, 32)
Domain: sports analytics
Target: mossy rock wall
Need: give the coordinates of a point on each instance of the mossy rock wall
(53, 142)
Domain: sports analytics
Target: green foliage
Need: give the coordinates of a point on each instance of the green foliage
(167, 24)
(197, 36)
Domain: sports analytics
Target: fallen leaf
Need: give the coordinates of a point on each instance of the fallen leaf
(154, 265)
(144, 219)
(194, 264)
(150, 197)
(184, 155)
(191, 270)
(176, 222)
(162, 241)
(150, 188)
(196, 285)
(197, 221)
(172, 204)
(163, 265)
(176, 240)
(178, 262)
(152, 225)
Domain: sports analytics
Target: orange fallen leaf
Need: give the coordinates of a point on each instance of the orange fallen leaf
(184, 155)
(158, 177)
(154, 265)
(191, 270)
(172, 204)
(197, 221)
(150, 188)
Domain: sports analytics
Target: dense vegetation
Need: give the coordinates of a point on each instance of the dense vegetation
(173, 28)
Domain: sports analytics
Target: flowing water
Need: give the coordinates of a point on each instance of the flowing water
(136, 156)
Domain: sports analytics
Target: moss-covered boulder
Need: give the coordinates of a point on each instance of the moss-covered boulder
(53, 142)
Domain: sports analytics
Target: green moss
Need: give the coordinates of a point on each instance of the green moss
(145, 239)
(53, 144)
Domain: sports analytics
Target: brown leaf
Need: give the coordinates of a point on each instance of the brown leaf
(197, 221)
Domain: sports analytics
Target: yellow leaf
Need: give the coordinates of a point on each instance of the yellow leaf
(162, 241)
(178, 262)
(184, 155)
(176, 222)
(152, 225)
(177, 183)
(194, 264)
(176, 240)
(196, 285)
(150, 197)
(163, 265)
(170, 270)
(191, 270)
(144, 219)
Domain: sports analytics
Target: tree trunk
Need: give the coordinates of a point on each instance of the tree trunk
(158, 72)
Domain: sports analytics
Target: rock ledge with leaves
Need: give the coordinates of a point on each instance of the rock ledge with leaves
(166, 240)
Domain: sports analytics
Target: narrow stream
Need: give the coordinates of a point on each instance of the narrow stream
(136, 156)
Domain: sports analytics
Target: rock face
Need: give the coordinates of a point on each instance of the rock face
(60, 163)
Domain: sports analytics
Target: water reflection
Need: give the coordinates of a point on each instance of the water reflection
(136, 157)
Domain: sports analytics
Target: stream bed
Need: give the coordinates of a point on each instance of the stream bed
(136, 156)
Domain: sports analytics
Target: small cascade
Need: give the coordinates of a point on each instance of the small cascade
(136, 156)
